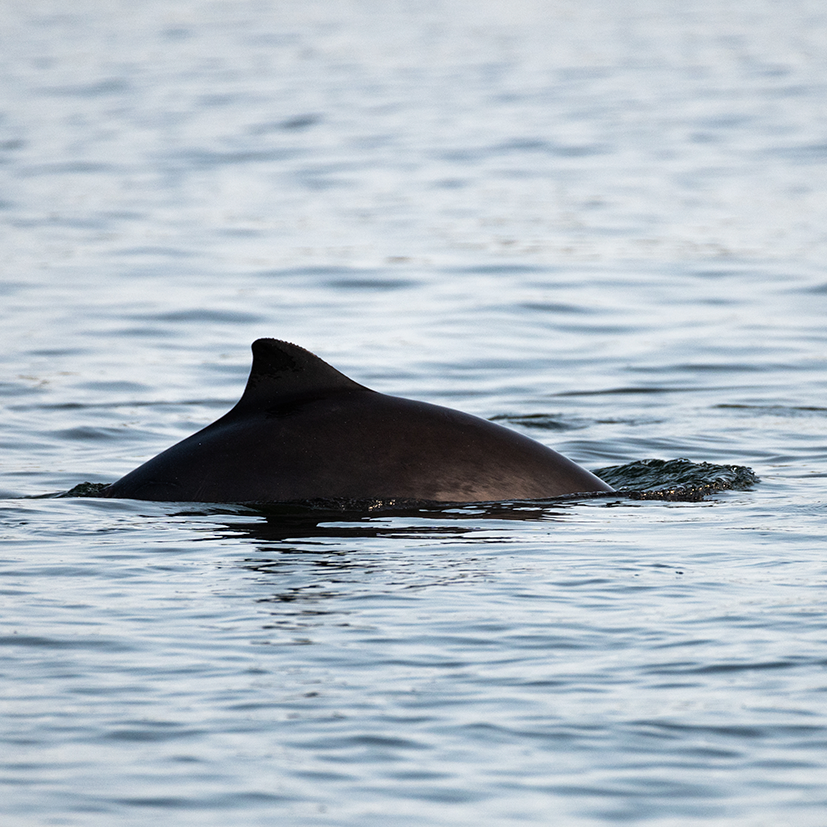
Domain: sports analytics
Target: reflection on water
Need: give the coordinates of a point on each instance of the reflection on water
(277, 523)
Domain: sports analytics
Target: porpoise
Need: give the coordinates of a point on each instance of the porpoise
(304, 431)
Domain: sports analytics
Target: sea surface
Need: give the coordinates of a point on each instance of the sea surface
(602, 223)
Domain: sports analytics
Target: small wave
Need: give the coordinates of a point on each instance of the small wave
(84, 489)
(540, 421)
(676, 479)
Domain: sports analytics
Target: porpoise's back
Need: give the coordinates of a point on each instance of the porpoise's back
(302, 430)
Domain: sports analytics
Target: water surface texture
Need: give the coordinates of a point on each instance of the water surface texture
(602, 224)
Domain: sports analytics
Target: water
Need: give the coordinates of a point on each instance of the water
(602, 224)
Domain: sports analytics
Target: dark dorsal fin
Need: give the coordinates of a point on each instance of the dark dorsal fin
(282, 371)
